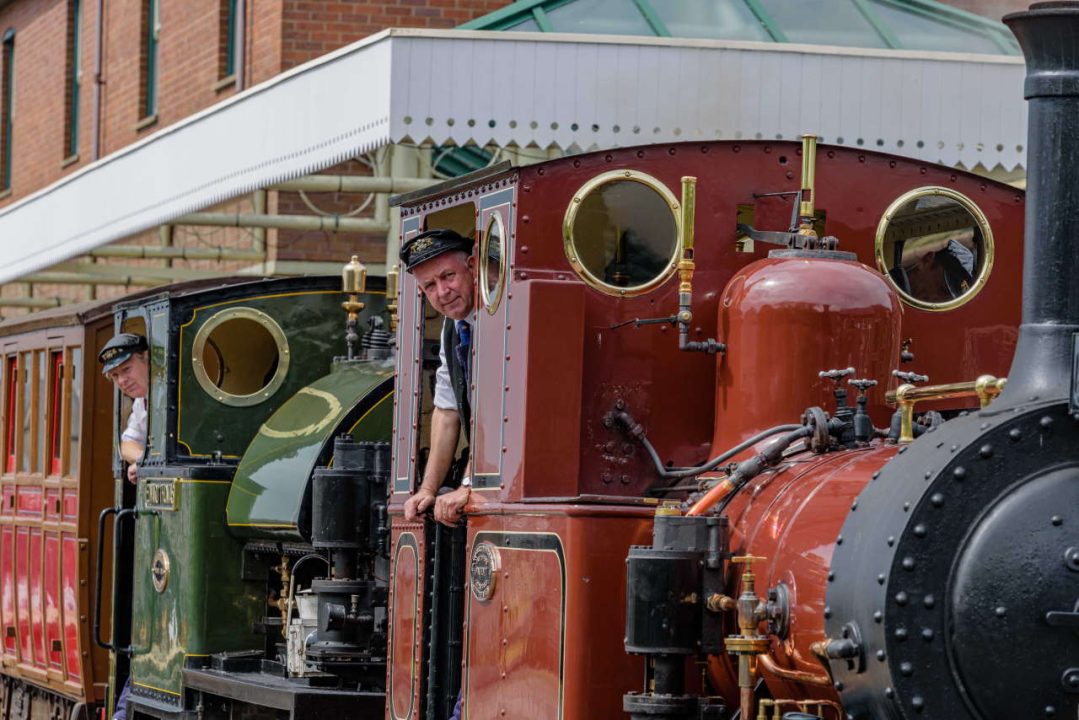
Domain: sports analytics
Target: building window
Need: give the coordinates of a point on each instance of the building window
(7, 93)
(151, 28)
(230, 38)
(74, 70)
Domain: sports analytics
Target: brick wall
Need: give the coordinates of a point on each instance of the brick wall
(38, 146)
(315, 27)
(279, 35)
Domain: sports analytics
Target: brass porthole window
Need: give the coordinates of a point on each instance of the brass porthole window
(620, 232)
(935, 247)
(493, 262)
(240, 356)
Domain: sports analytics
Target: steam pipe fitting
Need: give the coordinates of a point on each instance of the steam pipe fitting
(621, 418)
(747, 470)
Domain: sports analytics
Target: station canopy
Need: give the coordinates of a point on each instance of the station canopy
(749, 70)
(895, 24)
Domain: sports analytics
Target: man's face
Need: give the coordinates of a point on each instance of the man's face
(133, 376)
(448, 282)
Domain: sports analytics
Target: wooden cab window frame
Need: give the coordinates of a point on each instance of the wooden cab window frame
(11, 411)
(55, 408)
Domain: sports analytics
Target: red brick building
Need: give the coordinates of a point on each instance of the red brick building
(192, 64)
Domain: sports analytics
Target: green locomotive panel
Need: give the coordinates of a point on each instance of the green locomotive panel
(189, 599)
(241, 359)
(266, 499)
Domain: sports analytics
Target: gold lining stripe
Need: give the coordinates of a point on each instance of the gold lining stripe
(156, 689)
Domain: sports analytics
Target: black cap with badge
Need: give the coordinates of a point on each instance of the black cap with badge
(430, 244)
(117, 350)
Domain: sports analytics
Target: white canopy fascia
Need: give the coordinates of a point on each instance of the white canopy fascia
(524, 89)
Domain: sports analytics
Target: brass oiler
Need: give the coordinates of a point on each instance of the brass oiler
(354, 283)
(807, 207)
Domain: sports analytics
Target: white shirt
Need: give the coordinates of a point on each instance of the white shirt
(444, 399)
(136, 423)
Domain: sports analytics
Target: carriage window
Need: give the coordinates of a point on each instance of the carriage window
(56, 410)
(621, 232)
(42, 407)
(26, 368)
(74, 384)
(935, 247)
(9, 433)
(493, 262)
(240, 356)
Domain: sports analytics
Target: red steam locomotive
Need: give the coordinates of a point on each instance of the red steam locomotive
(709, 478)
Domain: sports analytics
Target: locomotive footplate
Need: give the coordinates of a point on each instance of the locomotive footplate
(301, 702)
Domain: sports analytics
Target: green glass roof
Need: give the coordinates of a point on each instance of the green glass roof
(898, 24)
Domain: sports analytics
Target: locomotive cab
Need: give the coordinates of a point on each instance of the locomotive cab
(269, 412)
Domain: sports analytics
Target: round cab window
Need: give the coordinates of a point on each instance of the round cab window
(935, 247)
(621, 232)
(240, 356)
(493, 263)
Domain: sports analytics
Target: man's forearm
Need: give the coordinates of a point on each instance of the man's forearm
(131, 451)
(445, 429)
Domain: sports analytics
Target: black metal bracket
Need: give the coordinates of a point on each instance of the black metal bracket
(1073, 405)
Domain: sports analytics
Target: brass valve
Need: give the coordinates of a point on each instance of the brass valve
(748, 643)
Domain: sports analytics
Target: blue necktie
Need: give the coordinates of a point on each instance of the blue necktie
(464, 347)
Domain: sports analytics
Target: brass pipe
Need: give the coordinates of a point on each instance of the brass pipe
(798, 676)
(391, 297)
(985, 388)
(688, 209)
(807, 209)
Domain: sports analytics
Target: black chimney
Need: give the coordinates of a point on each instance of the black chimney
(1049, 35)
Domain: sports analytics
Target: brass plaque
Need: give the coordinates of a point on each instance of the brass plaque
(486, 562)
(160, 494)
(159, 570)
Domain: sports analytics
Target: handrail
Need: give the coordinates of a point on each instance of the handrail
(985, 388)
(100, 575)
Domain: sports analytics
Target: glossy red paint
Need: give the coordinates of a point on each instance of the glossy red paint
(36, 583)
(72, 622)
(549, 641)
(53, 623)
(7, 592)
(406, 630)
(791, 518)
(786, 319)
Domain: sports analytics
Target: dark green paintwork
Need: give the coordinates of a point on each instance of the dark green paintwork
(205, 608)
(314, 324)
(271, 480)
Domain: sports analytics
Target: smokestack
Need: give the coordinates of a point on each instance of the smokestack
(1049, 35)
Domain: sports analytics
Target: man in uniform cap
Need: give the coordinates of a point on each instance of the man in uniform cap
(125, 362)
(444, 268)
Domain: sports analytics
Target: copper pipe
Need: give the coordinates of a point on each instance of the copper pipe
(746, 702)
(797, 676)
(714, 495)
